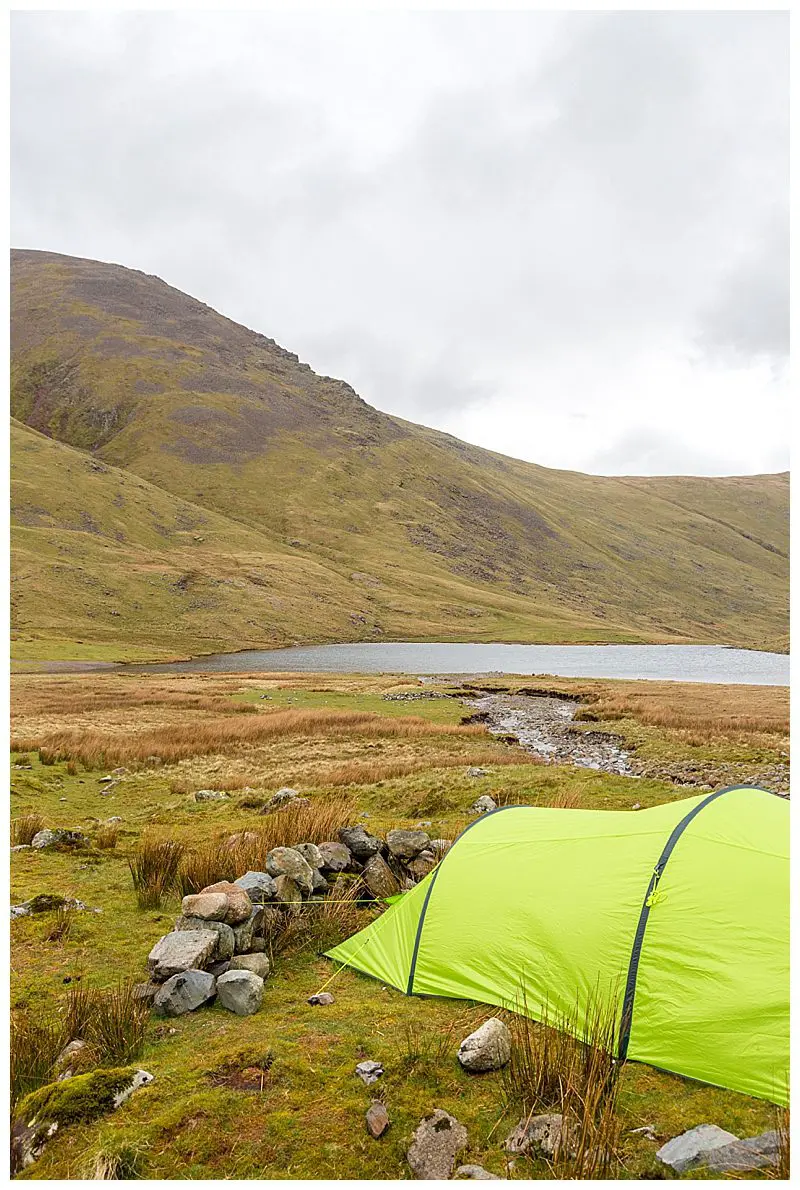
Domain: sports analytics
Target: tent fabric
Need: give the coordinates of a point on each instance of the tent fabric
(677, 915)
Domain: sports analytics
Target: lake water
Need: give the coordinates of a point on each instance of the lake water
(679, 663)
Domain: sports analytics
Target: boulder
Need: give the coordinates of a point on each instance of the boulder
(436, 1143)
(58, 838)
(359, 842)
(687, 1150)
(184, 993)
(226, 939)
(335, 857)
(377, 1119)
(240, 992)
(320, 885)
(217, 969)
(286, 891)
(538, 1136)
(243, 937)
(742, 1156)
(239, 904)
(483, 805)
(206, 906)
(183, 950)
(379, 878)
(285, 861)
(84, 1097)
(477, 1173)
(488, 1048)
(257, 963)
(257, 917)
(259, 886)
(310, 853)
(422, 864)
(406, 844)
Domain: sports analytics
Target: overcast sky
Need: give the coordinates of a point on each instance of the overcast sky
(560, 236)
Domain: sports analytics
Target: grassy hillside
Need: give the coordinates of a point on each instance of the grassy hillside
(321, 518)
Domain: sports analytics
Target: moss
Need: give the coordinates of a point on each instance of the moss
(45, 903)
(79, 1099)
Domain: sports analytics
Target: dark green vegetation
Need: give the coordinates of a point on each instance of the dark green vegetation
(275, 1095)
(182, 484)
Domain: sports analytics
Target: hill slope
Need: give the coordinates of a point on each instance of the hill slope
(321, 517)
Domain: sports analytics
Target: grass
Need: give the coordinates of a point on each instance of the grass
(25, 828)
(154, 870)
(190, 1125)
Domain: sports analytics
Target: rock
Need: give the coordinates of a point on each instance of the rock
(210, 795)
(379, 878)
(647, 1131)
(421, 826)
(22, 847)
(259, 886)
(240, 992)
(285, 861)
(377, 1119)
(283, 799)
(145, 991)
(407, 844)
(217, 969)
(320, 885)
(422, 864)
(636, 806)
(475, 773)
(436, 1143)
(258, 945)
(688, 1149)
(440, 847)
(369, 1072)
(359, 842)
(257, 963)
(243, 937)
(483, 805)
(81, 1098)
(742, 1156)
(226, 939)
(286, 891)
(239, 904)
(335, 857)
(41, 903)
(58, 838)
(206, 906)
(184, 993)
(539, 1136)
(488, 1048)
(477, 1173)
(310, 853)
(183, 950)
(321, 999)
(68, 1061)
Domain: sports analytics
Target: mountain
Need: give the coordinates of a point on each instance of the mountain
(182, 484)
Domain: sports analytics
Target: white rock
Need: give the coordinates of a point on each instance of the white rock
(488, 1048)
(688, 1149)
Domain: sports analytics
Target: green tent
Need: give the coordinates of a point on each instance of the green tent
(680, 913)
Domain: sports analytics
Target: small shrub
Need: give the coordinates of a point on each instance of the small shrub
(154, 870)
(24, 828)
(107, 836)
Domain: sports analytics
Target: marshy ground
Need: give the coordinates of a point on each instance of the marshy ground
(275, 1095)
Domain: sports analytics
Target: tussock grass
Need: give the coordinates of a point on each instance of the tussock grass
(107, 835)
(24, 828)
(552, 1070)
(61, 927)
(96, 748)
(35, 1045)
(154, 869)
(111, 1020)
(122, 1164)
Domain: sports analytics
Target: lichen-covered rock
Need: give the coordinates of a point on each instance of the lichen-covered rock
(58, 838)
(379, 878)
(483, 805)
(285, 861)
(476, 773)
(183, 950)
(310, 853)
(239, 904)
(284, 799)
(286, 891)
(243, 937)
(206, 906)
(488, 1048)
(422, 864)
(184, 993)
(436, 1143)
(359, 842)
(687, 1150)
(76, 1100)
(240, 992)
(226, 939)
(405, 844)
(335, 857)
(259, 886)
(743, 1156)
(477, 1173)
(539, 1136)
(257, 963)
(210, 795)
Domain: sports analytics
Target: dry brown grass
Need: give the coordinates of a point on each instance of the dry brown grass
(107, 836)
(24, 828)
(154, 868)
